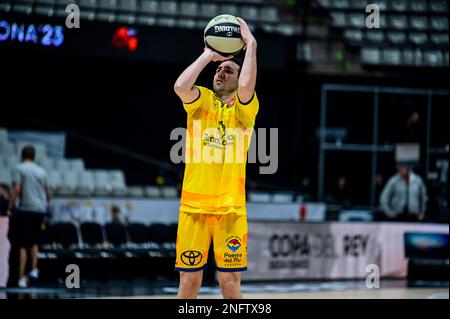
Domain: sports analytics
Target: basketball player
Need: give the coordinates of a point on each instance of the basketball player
(213, 196)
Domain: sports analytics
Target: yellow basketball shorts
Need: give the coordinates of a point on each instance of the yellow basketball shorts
(228, 233)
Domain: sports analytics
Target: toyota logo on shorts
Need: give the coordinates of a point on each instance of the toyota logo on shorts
(191, 257)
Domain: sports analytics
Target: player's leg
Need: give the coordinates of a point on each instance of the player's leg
(192, 245)
(230, 251)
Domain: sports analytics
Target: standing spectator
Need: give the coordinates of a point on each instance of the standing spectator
(4, 199)
(30, 188)
(404, 196)
(4, 243)
(116, 215)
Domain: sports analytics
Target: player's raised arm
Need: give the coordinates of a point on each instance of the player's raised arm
(184, 85)
(247, 78)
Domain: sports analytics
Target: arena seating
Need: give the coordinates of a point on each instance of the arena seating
(70, 177)
(412, 32)
(164, 13)
(110, 247)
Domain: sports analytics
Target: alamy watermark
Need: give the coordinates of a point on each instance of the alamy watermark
(225, 145)
(373, 277)
(73, 279)
(73, 19)
(373, 19)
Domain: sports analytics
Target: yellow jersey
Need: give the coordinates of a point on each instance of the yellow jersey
(217, 140)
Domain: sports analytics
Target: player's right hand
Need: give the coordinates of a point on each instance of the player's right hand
(215, 56)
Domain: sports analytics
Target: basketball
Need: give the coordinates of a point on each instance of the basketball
(223, 34)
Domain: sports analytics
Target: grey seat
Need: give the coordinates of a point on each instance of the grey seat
(86, 183)
(370, 56)
(434, 58)
(102, 182)
(419, 5)
(269, 14)
(117, 182)
(392, 56)
(189, 8)
(418, 22)
(209, 10)
(398, 22)
(397, 37)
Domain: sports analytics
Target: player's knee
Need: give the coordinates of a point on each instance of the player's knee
(190, 281)
(230, 284)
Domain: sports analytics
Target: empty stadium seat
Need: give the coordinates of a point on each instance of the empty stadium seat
(357, 20)
(269, 14)
(5, 176)
(127, 5)
(161, 233)
(408, 57)
(398, 22)
(399, 5)
(209, 10)
(168, 7)
(186, 23)
(152, 191)
(439, 6)
(164, 236)
(259, 197)
(91, 234)
(169, 191)
(149, 6)
(283, 197)
(76, 164)
(189, 8)
(62, 165)
(433, 58)
(117, 182)
(339, 19)
(341, 4)
(135, 191)
(439, 23)
(45, 9)
(439, 39)
(69, 183)
(102, 182)
(419, 5)
(250, 13)
(54, 180)
(353, 35)
(370, 55)
(9, 160)
(138, 234)
(418, 22)
(392, 56)
(65, 235)
(47, 164)
(86, 183)
(230, 8)
(116, 234)
(397, 37)
(90, 4)
(107, 4)
(418, 38)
